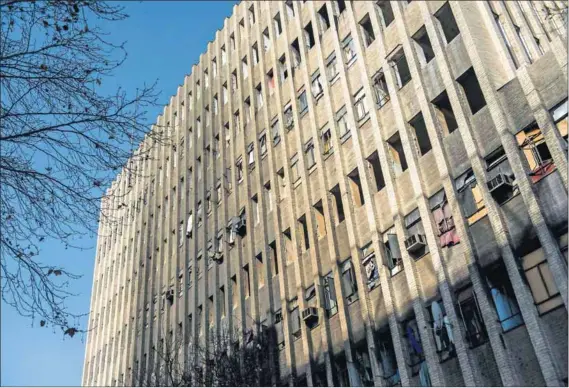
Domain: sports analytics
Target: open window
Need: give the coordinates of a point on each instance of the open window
(283, 68)
(444, 222)
(447, 22)
(336, 194)
(309, 151)
(379, 88)
(349, 283)
(443, 331)
(375, 167)
(323, 19)
(356, 188)
(330, 301)
(471, 317)
(304, 231)
(386, 12)
(470, 197)
(472, 90)
(316, 85)
(423, 46)
(415, 354)
(361, 105)
(343, 126)
(370, 266)
(397, 156)
(387, 359)
(444, 113)
(349, 50)
(277, 24)
(327, 146)
(503, 296)
(401, 69)
(421, 135)
(532, 143)
(296, 57)
(367, 30)
(309, 36)
(320, 220)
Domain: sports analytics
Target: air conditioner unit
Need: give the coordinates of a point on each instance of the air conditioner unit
(415, 242)
(500, 181)
(309, 314)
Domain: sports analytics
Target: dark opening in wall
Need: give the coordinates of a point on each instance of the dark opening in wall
(304, 227)
(320, 220)
(471, 87)
(296, 58)
(356, 188)
(309, 36)
(423, 44)
(375, 166)
(398, 161)
(341, 4)
(323, 19)
(421, 135)
(247, 285)
(338, 202)
(401, 68)
(386, 11)
(444, 113)
(274, 257)
(367, 30)
(448, 22)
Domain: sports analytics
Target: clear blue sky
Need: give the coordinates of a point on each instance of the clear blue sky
(164, 39)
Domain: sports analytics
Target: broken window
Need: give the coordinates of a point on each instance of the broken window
(470, 197)
(397, 156)
(277, 24)
(303, 103)
(356, 188)
(472, 90)
(288, 117)
(421, 136)
(367, 30)
(239, 165)
(309, 36)
(360, 105)
(532, 143)
(401, 69)
(349, 281)
(275, 132)
(266, 39)
(251, 155)
(448, 22)
(332, 68)
(330, 301)
(423, 45)
(296, 58)
(370, 266)
(263, 144)
(445, 114)
(326, 141)
(309, 150)
(540, 279)
(379, 88)
(349, 50)
(338, 203)
(375, 167)
(320, 221)
(316, 85)
(442, 214)
(283, 68)
(343, 126)
(471, 317)
(386, 12)
(507, 308)
(323, 19)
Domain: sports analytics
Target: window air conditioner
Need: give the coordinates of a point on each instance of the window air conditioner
(500, 181)
(415, 242)
(309, 314)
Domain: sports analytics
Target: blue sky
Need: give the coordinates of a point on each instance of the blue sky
(164, 39)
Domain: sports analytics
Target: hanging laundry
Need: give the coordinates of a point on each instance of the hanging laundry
(424, 377)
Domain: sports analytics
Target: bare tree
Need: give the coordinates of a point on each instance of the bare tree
(62, 141)
(219, 363)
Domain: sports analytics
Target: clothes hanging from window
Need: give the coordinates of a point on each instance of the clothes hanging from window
(415, 345)
(424, 377)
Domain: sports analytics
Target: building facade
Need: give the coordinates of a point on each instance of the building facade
(384, 184)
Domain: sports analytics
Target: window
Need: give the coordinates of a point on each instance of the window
(288, 117)
(401, 69)
(275, 132)
(247, 280)
(295, 318)
(255, 205)
(386, 12)
(374, 165)
(379, 88)
(470, 197)
(309, 150)
(255, 53)
(540, 279)
(443, 332)
(239, 166)
(259, 96)
(361, 106)
(296, 58)
(448, 22)
(266, 40)
(294, 168)
(277, 24)
(283, 68)
(219, 193)
(232, 41)
(303, 103)
(397, 156)
(445, 114)
(268, 196)
(224, 93)
(471, 87)
(316, 86)
(332, 68)
(263, 144)
(444, 222)
(326, 141)
(222, 297)
(367, 30)
(502, 293)
(330, 301)
(251, 155)
(214, 68)
(271, 82)
(349, 50)
(207, 117)
(252, 15)
(421, 136)
(274, 258)
(532, 143)
(206, 79)
(338, 6)
(309, 36)
(500, 26)
(234, 290)
(234, 85)
(245, 67)
(223, 55)
(349, 281)
(525, 46)
(370, 266)
(342, 119)
(469, 310)
(356, 188)
(236, 122)
(289, 9)
(320, 221)
(260, 270)
(414, 348)
(423, 46)
(337, 195)
(198, 90)
(559, 115)
(323, 19)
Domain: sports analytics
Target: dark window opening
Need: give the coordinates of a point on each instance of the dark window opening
(320, 220)
(304, 227)
(356, 188)
(349, 283)
(422, 40)
(309, 36)
(445, 114)
(274, 257)
(338, 201)
(421, 134)
(375, 166)
(341, 4)
(323, 18)
(367, 30)
(471, 87)
(442, 331)
(398, 161)
(247, 280)
(503, 297)
(387, 359)
(402, 72)
(448, 22)
(471, 316)
(296, 58)
(386, 12)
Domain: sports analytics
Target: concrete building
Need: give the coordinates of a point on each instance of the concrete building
(383, 183)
